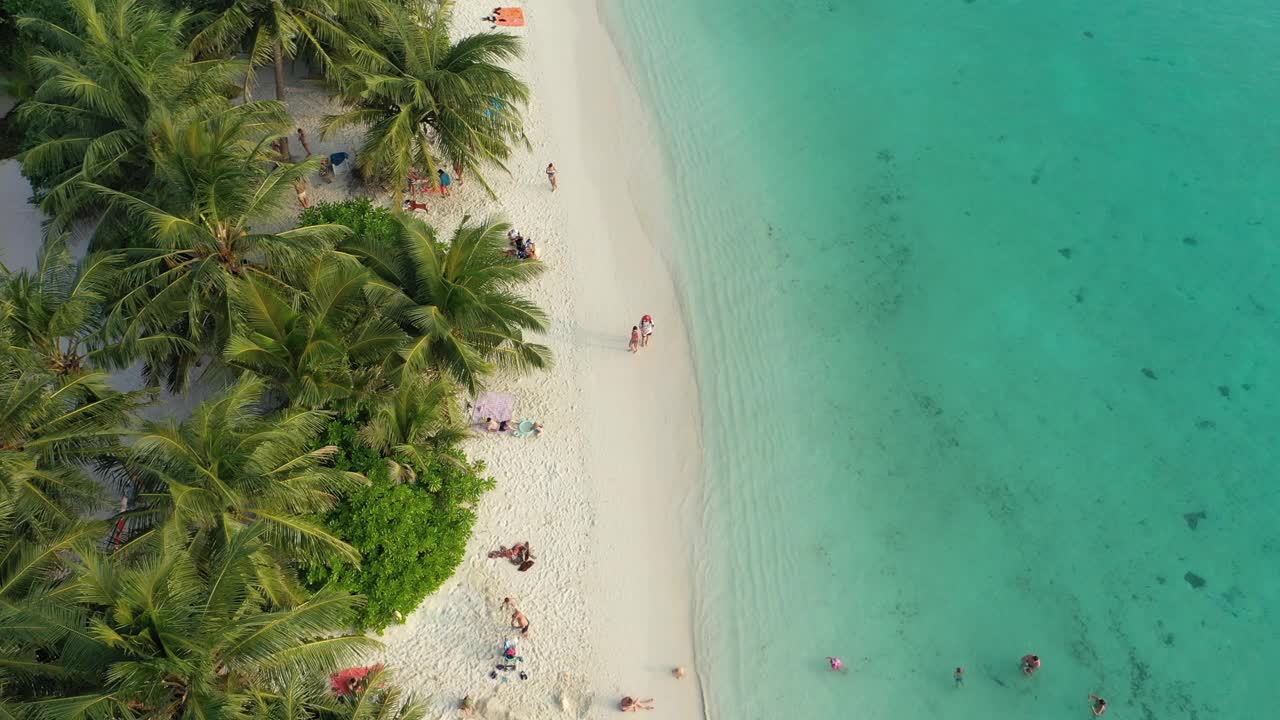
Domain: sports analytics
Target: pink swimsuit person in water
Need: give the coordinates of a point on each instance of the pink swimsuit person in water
(836, 663)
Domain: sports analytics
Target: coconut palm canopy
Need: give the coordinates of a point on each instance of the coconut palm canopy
(212, 179)
(203, 596)
(52, 430)
(55, 313)
(429, 103)
(232, 465)
(275, 30)
(183, 636)
(103, 80)
(458, 300)
(326, 346)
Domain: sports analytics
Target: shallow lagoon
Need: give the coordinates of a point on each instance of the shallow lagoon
(984, 301)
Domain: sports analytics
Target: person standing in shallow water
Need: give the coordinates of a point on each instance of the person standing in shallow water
(959, 676)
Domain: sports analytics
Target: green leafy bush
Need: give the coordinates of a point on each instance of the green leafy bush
(368, 222)
(410, 539)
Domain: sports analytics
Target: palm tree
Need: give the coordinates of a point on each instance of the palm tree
(458, 301)
(426, 101)
(182, 635)
(32, 613)
(329, 347)
(230, 466)
(55, 311)
(212, 179)
(52, 429)
(102, 80)
(411, 425)
(276, 30)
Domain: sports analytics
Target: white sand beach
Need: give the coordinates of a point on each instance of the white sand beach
(609, 495)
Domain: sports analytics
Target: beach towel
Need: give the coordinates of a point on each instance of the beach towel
(498, 406)
(338, 681)
(509, 17)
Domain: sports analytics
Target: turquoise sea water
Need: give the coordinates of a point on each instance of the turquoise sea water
(984, 300)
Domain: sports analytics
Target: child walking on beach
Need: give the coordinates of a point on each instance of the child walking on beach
(634, 345)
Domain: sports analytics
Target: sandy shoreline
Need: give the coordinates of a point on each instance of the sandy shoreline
(606, 497)
(609, 496)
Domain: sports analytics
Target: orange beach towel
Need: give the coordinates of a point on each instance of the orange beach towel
(509, 17)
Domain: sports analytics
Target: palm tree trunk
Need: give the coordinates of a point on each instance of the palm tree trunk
(279, 53)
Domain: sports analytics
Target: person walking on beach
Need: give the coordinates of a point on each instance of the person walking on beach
(634, 345)
(302, 138)
(1097, 705)
(445, 182)
(551, 175)
(959, 676)
(646, 330)
(1030, 664)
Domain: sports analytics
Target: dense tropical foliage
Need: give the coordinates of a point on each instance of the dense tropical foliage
(410, 528)
(457, 299)
(106, 74)
(319, 488)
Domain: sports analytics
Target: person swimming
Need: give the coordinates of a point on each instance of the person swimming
(1030, 664)
(1097, 705)
(959, 676)
(837, 664)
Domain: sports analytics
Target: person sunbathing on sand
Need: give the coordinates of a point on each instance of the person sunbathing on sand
(491, 425)
(518, 554)
(630, 704)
